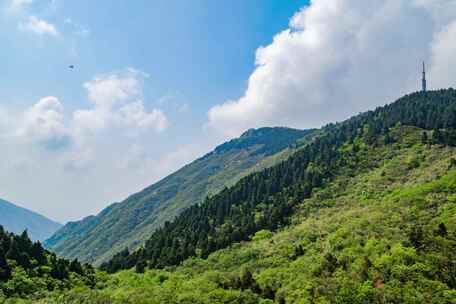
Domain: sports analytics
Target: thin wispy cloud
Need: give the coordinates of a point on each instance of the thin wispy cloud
(19, 5)
(77, 28)
(39, 26)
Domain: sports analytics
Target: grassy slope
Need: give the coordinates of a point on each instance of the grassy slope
(130, 223)
(355, 235)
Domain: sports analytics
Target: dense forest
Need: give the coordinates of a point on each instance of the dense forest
(267, 199)
(26, 268)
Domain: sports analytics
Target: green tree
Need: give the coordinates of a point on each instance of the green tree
(5, 269)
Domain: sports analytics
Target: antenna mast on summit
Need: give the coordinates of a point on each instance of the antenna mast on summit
(423, 81)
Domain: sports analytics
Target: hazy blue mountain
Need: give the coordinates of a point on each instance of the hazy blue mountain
(16, 219)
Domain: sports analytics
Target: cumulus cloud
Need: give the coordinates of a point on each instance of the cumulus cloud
(107, 90)
(341, 57)
(39, 26)
(44, 123)
(118, 103)
(133, 114)
(443, 58)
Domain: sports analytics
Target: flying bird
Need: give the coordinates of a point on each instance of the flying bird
(71, 66)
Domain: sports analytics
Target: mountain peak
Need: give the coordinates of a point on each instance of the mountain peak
(267, 140)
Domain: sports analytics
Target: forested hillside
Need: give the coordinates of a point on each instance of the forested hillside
(267, 199)
(28, 270)
(16, 219)
(130, 223)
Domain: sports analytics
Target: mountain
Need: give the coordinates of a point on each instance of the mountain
(382, 231)
(129, 223)
(267, 199)
(364, 212)
(16, 219)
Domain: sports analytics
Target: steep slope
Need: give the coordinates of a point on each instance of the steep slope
(131, 222)
(17, 219)
(269, 198)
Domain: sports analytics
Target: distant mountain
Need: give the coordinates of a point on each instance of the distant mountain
(129, 223)
(16, 219)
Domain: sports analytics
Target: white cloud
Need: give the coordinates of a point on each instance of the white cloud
(19, 5)
(107, 90)
(39, 26)
(43, 125)
(117, 99)
(443, 57)
(44, 122)
(134, 115)
(341, 57)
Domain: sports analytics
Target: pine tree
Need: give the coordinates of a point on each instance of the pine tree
(416, 237)
(140, 266)
(5, 269)
(442, 231)
(437, 137)
(37, 252)
(14, 253)
(76, 267)
(424, 138)
(24, 242)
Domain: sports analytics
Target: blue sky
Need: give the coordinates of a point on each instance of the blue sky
(158, 83)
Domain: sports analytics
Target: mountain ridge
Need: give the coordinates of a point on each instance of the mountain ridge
(267, 199)
(144, 211)
(16, 219)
